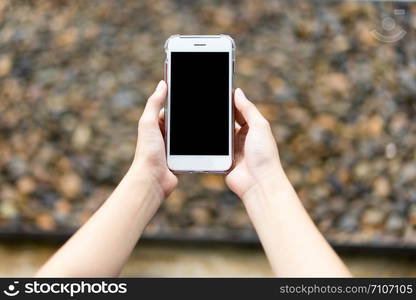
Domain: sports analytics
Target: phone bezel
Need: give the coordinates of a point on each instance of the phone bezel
(200, 163)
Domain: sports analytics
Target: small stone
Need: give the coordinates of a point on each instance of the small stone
(8, 210)
(276, 84)
(340, 44)
(17, 167)
(246, 66)
(382, 187)
(45, 222)
(348, 222)
(81, 136)
(373, 217)
(336, 82)
(327, 122)
(125, 99)
(349, 9)
(344, 175)
(398, 123)
(362, 170)
(365, 35)
(67, 38)
(64, 164)
(26, 185)
(408, 172)
(70, 185)
(56, 103)
(240, 220)
(412, 215)
(5, 65)
(391, 150)
(213, 182)
(316, 175)
(269, 111)
(395, 223)
(295, 175)
(337, 205)
(374, 126)
(174, 203)
(63, 207)
(200, 215)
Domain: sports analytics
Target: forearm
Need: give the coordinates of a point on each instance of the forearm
(102, 245)
(293, 244)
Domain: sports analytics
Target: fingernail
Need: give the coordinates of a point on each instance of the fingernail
(159, 86)
(241, 92)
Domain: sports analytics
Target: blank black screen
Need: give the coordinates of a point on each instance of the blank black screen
(199, 103)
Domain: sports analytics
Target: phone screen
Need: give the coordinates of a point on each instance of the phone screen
(199, 103)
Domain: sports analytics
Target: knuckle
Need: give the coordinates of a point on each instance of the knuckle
(262, 122)
(155, 97)
(145, 121)
(151, 99)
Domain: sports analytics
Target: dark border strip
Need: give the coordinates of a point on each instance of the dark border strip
(187, 239)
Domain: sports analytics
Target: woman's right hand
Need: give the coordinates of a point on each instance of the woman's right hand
(292, 242)
(256, 156)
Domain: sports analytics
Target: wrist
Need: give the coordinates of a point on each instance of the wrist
(273, 188)
(138, 176)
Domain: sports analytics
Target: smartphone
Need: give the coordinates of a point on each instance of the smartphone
(199, 119)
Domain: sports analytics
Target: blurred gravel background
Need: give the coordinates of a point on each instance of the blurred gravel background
(74, 76)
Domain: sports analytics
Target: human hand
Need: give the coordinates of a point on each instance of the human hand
(256, 155)
(133, 203)
(150, 157)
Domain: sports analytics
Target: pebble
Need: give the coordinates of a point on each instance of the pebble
(70, 185)
(8, 210)
(124, 99)
(391, 150)
(67, 38)
(408, 172)
(17, 167)
(5, 65)
(395, 223)
(45, 222)
(75, 78)
(348, 222)
(26, 184)
(81, 136)
(373, 217)
(213, 182)
(374, 126)
(200, 215)
(63, 207)
(174, 203)
(382, 187)
(239, 220)
(336, 82)
(412, 215)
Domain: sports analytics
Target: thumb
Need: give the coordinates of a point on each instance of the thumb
(246, 109)
(155, 102)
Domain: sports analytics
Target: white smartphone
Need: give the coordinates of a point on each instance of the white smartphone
(199, 119)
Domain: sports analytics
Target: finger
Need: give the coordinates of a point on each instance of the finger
(239, 117)
(247, 109)
(162, 115)
(239, 141)
(162, 121)
(237, 128)
(155, 102)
